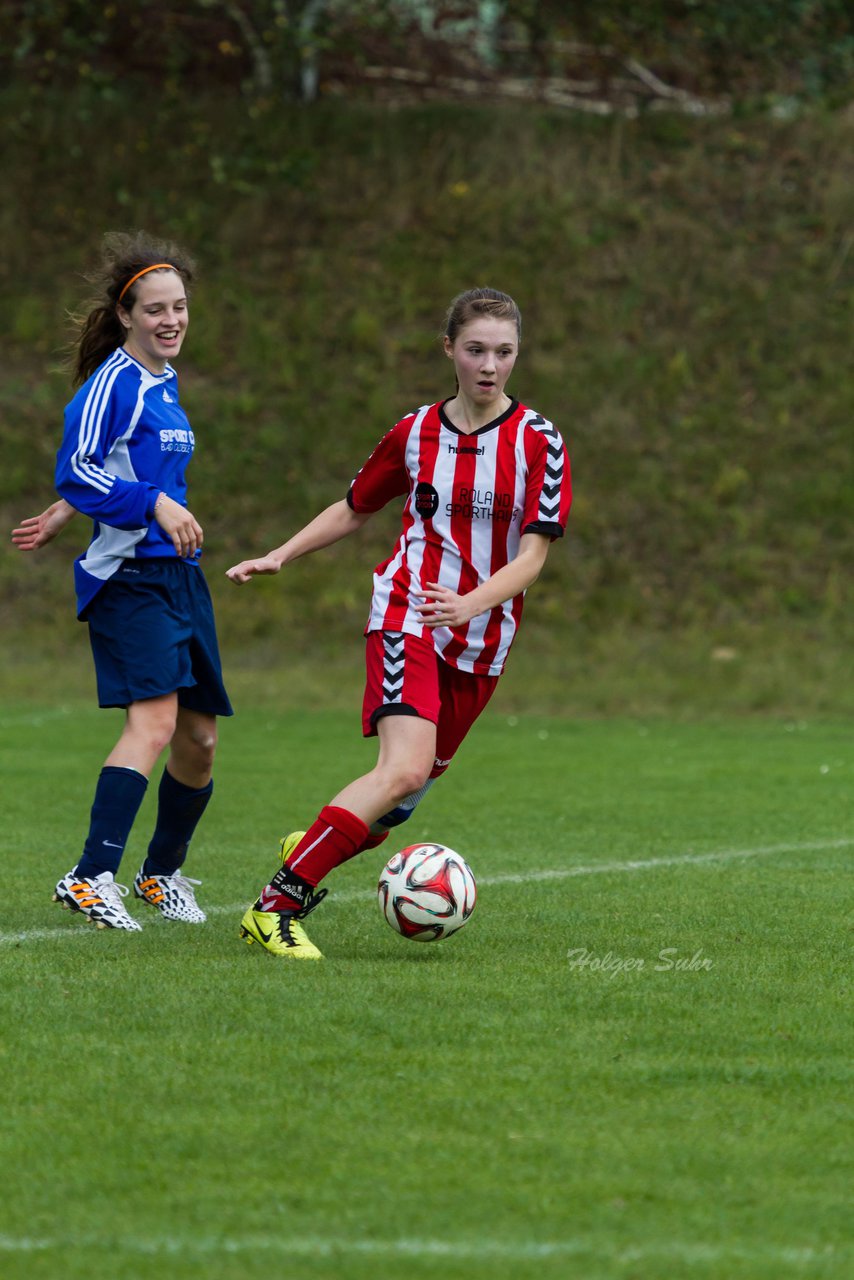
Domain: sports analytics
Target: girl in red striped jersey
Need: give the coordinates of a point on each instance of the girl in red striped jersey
(485, 484)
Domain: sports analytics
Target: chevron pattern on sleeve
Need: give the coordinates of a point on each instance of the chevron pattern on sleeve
(549, 509)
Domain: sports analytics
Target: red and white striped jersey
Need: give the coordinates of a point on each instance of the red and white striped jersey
(469, 500)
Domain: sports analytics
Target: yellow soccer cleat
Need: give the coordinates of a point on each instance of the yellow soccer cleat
(280, 932)
(289, 843)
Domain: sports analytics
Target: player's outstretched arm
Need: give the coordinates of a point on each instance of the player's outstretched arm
(37, 531)
(333, 524)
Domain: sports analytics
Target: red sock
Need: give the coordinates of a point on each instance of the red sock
(335, 836)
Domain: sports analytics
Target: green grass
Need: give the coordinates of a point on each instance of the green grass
(176, 1103)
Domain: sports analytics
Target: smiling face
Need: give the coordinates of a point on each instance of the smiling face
(484, 353)
(157, 319)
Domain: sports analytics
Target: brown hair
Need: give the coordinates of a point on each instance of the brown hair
(481, 302)
(123, 256)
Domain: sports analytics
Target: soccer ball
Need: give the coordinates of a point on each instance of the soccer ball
(426, 892)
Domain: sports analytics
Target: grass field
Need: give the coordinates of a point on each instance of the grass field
(631, 1064)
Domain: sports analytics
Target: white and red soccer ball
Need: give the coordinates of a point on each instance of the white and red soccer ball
(427, 892)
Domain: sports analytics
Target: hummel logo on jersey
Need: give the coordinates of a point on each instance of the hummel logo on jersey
(466, 448)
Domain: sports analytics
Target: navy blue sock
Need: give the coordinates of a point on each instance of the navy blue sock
(118, 795)
(179, 809)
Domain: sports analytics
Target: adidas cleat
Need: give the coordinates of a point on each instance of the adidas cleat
(280, 932)
(173, 896)
(99, 899)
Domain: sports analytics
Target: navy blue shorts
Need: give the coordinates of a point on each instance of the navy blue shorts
(152, 632)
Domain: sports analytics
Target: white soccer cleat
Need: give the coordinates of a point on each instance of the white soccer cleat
(99, 899)
(173, 896)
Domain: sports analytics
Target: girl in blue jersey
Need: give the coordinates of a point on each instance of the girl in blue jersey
(140, 587)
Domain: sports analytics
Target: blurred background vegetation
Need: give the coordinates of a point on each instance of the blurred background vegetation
(666, 188)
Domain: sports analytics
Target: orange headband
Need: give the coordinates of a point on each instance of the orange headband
(158, 266)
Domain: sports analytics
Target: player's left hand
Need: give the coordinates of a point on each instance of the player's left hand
(442, 607)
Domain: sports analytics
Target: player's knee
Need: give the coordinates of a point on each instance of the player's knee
(196, 748)
(406, 782)
(204, 742)
(156, 731)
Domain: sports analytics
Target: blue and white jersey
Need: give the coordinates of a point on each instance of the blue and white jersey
(126, 440)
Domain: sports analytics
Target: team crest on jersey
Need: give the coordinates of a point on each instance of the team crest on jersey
(167, 397)
(426, 500)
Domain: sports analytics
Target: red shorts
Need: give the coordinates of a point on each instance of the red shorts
(406, 677)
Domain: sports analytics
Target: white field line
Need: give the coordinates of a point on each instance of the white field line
(454, 1250)
(76, 928)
